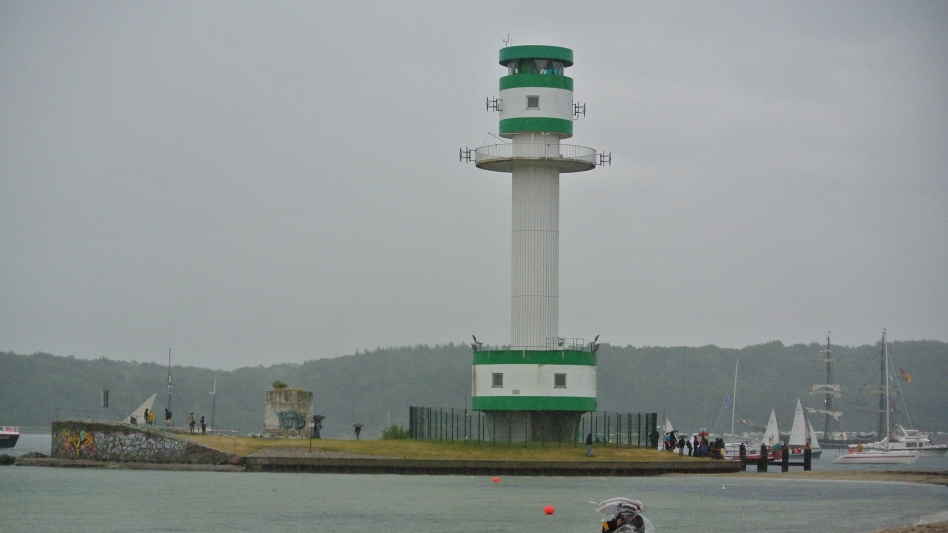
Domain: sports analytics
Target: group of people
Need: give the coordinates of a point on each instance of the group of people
(149, 419)
(696, 447)
(191, 423)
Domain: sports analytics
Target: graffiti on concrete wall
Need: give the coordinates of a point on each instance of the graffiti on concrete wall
(116, 446)
(291, 419)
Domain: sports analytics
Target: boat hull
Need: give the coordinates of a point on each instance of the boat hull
(8, 441)
(877, 458)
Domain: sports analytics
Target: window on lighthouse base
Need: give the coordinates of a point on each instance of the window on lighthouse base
(559, 381)
(497, 380)
(533, 102)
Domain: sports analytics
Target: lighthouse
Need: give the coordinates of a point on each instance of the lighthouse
(537, 387)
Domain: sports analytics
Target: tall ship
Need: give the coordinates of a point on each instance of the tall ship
(8, 436)
(833, 435)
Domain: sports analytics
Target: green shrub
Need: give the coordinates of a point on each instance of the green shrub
(395, 432)
(277, 385)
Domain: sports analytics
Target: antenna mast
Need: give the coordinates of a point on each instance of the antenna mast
(213, 403)
(169, 378)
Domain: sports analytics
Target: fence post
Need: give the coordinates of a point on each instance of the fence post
(785, 458)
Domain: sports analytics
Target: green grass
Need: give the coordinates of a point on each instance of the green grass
(411, 449)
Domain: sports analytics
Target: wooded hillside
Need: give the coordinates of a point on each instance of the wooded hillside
(690, 384)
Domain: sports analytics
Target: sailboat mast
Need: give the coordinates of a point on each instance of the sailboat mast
(734, 396)
(885, 352)
(829, 401)
(883, 398)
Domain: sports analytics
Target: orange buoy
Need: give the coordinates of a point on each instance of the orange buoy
(548, 509)
(496, 479)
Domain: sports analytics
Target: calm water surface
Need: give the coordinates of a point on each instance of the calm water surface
(55, 499)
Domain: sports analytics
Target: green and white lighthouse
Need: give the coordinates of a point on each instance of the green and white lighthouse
(538, 386)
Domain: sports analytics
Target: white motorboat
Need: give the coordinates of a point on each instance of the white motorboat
(911, 440)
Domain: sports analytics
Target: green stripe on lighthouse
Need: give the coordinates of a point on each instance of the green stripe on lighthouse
(536, 80)
(530, 51)
(534, 357)
(533, 403)
(544, 124)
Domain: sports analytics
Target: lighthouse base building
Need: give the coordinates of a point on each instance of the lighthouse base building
(534, 395)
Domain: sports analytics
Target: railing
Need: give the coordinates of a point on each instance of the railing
(560, 343)
(628, 430)
(538, 151)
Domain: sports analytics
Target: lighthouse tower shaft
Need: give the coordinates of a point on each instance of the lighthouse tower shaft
(535, 244)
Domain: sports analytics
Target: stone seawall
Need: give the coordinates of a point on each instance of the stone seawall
(472, 468)
(122, 442)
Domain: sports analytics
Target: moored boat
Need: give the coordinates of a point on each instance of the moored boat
(910, 440)
(858, 455)
(801, 434)
(8, 436)
(880, 453)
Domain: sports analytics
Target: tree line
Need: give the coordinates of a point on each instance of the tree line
(375, 388)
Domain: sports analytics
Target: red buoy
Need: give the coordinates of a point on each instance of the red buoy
(548, 509)
(496, 479)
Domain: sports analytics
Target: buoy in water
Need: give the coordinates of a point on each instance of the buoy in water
(548, 509)
(496, 479)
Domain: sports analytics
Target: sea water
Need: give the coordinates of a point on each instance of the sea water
(77, 500)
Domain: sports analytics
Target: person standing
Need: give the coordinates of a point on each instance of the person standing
(145, 417)
(151, 418)
(191, 422)
(203, 426)
(689, 445)
(589, 445)
(681, 445)
(167, 418)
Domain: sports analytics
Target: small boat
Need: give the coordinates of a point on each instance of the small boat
(8, 436)
(856, 455)
(911, 440)
(801, 434)
(771, 437)
(879, 453)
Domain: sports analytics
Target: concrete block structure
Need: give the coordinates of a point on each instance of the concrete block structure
(287, 413)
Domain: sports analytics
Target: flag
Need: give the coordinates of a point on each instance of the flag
(727, 403)
(906, 376)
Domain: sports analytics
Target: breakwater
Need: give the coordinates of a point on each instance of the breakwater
(121, 442)
(473, 468)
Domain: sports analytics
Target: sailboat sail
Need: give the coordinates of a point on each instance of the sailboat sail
(772, 434)
(814, 442)
(798, 430)
(835, 390)
(834, 414)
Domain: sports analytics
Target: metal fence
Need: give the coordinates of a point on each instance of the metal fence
(629, 430)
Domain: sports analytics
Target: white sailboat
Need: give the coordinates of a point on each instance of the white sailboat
(801, 434)
(772, 433)
(814, 442)
(881, 454)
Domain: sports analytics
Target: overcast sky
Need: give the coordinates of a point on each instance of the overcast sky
(255, 183)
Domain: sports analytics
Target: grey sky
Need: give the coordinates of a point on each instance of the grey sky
(253, 183)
